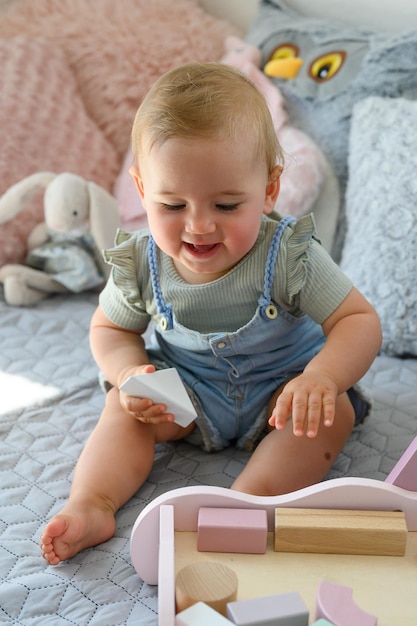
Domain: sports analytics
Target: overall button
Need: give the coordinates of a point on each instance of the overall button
(164, 323)
(271, 311)
(221, 345)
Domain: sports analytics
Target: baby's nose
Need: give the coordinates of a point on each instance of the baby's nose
(200, 224)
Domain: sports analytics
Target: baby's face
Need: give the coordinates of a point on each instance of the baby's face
(204, 200)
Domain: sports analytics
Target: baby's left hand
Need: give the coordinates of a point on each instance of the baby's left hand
(306, 399)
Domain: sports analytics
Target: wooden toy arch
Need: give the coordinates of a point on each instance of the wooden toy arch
(339, 493)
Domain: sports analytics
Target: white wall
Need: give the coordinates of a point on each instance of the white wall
(386, 15)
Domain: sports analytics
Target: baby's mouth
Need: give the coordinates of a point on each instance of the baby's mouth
(200, 248)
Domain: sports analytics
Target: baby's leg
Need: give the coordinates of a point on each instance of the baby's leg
(283, 462)
(115, 462)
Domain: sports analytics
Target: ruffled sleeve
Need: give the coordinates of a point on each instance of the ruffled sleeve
(123, 298)
(314, 283)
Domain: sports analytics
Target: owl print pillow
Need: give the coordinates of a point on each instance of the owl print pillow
(323, 68)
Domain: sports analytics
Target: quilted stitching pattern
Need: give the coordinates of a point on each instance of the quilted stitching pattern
(54, 404)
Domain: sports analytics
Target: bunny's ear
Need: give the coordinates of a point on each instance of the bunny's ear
(15, 198)
(104, 219)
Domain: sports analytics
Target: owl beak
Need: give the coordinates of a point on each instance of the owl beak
(283, 68)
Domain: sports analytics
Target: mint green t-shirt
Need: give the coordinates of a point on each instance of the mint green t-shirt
(306, 280)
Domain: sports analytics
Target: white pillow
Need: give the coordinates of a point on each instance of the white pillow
(380, 251)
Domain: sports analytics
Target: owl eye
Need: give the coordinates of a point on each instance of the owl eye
(325, 67)
(284, 51)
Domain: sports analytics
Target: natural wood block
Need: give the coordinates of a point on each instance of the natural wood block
(232, 530)
(334, 531)
(206, 581)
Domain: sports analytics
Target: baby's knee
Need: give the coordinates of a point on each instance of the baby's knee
(345, 414)
(112, 400)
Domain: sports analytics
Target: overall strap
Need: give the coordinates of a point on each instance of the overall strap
(163, 308)
(265, 299)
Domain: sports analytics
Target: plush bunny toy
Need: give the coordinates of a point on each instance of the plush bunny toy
(64, 251)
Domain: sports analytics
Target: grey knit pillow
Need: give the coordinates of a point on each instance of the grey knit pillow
(380, 251)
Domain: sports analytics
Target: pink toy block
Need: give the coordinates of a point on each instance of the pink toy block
(200, 614)
(232, 530)
(404, 473)
(286, 609)
(335, 603)
(166, 569)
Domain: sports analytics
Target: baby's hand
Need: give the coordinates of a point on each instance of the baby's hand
(144, 409)
(306, 399)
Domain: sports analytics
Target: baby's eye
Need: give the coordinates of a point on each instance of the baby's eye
(173, 207)
(227, 207)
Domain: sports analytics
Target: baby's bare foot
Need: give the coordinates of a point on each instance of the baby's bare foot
(75, 528)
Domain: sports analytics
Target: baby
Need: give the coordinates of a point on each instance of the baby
(266, 332)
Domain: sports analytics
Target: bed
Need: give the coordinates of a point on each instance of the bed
(50, 396)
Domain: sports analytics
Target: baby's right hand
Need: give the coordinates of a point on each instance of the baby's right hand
(143, 409)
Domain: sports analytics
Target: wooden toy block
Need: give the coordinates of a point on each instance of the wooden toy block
(232, 530)
(200, 614)
(166, 569)
(335, 603)
(404, 473)
(286, 609)
(206, 581)
(335, 531)
(322, 622)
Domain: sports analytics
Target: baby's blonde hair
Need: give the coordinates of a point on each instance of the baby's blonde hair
(206, 100)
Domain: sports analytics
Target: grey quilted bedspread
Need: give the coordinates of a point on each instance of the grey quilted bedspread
(49, 403)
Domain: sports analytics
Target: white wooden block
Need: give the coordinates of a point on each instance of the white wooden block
(200, 614)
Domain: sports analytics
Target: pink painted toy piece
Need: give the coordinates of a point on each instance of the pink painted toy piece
(404, 473)
(200, 614)
(276, 610)
(166, 569)
(338, 493)
(232, 530)
(335, 603)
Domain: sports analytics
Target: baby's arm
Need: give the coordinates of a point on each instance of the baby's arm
(353, 339)
(121, 353)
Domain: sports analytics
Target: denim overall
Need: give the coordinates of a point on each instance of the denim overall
(231, 376)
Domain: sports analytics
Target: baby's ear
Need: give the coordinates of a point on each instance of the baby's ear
(272, 189)
(134, 172)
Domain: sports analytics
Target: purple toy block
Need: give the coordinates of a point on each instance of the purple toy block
(232, 530)
(335, 603)
(404, 473)
(286, 609)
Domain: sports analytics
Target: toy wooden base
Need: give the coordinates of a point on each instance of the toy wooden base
(382, 585)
